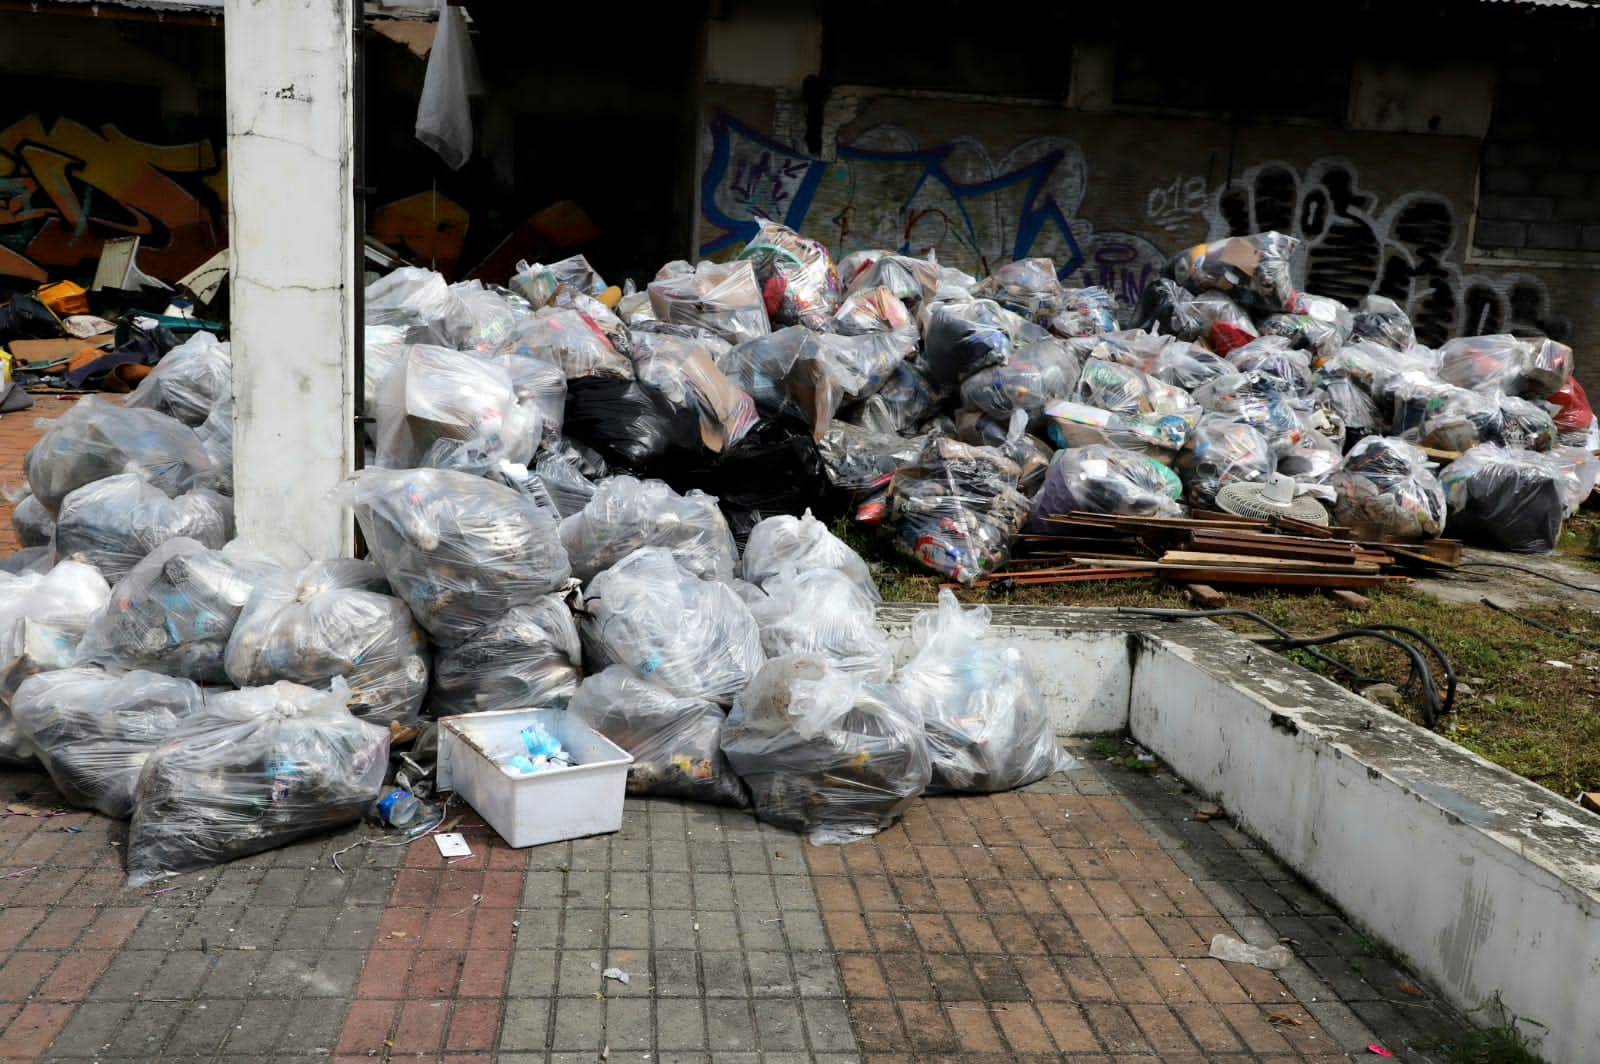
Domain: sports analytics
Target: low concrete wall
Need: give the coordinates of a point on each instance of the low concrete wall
(1487, 883)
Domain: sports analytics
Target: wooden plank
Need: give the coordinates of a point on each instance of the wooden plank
(1205, 596)
(1349, 599)
(1263, 546)
(1194, 557)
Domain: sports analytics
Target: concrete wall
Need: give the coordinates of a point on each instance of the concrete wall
(1385, 202)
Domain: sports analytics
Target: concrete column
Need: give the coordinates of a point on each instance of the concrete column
(293, 242)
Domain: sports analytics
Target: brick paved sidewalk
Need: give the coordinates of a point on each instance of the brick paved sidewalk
(17, 434)
(1067, 922)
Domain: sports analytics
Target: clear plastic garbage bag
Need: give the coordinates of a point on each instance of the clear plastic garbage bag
(1505, 499)
(256, 769)
(1106, 480)
(824, 752)
(436, 393)
(93, 729)
(1222, 451)
(189, 381)
(803, 543)
(565, 338)
(32, 522)
(796, 274)
(694, 637)
(97, 439)
(1385, 487)
(723, 297)
(530, 656)
(987, 725)
(822, 612)
(676, 742)
(626, 514)
(334, 619)
(956, 508)
(42, 618)
(112, 523)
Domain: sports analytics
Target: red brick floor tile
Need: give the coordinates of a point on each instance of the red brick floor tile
(1022, 1028)
(877, 1026)
(1208, 1028)
(34, 1028)
(421, 1028)
(474, 1025)
(1214, 981)
(60, 929)
(111, 928)
(846, 931)
(1115, 1028)
(502, 889)
(1161, 1029)
(974, 1026)
(384, 976)
(491, 929)
(434, 974)
(933, 933)
(483, 974)
(926, 1028)
(17, 922)
(76, 974)
(413, 887)
(1251, 1024)
(1068, 1027)
(1171, 981)
(862, 976)
(891, 932)
(22, 973)
(447, 929)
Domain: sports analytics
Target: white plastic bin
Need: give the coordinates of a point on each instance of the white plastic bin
(548, 806)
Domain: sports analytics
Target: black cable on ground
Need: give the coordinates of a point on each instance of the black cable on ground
(1419, 683)
(1530, 622)
(1530, 572)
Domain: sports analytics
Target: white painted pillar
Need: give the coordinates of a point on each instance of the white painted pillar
(292, 239)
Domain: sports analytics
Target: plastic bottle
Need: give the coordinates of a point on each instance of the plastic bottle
(400, 808)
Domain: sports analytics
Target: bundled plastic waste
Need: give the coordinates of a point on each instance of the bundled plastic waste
(629, 423)
(32, 522)
(676, 742)
(333, 619)
(872, 310)
(626, 514)
(822, 612)
(1507, 499)
(112, 523)
(175, 611)
(804, 544)
(1575, 421)
(567, 340)
(1106, 480)
(42, 618)
(540, 388)
(560, 474)
(435, 393)
(540, 284)
(1168, 413)
(685, 372)
(97, 439)
(189, 381)
(956, 508)
(459, 550)
(1385, 487)
(1439, 415)
(1222, 451)
(725, 298)
(905, 400)
(254, 769)
(530, 656)
(825, 752)
(1270, 357)
(959, 339)
(1212, 317)
(216, 436)
(694, 637)
(1526, 424)
(1084, 312)
(1011, 439)
(986, 722)
(798, 282)
(861, 461)
(1255, 269)
(487, 317)
(1028, 287)
(912, 281)
(93, 729)
(1187, 366)
(1035, 374)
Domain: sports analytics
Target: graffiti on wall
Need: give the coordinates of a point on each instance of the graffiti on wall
(973, 210)
(65, 188)
(1408, 249)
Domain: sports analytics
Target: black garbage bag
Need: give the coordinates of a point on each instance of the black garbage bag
(255, 769)
(987, 725)
(1506, 499)
(960, 339)
(774, 469)
(630, 424)
(334, 619)
(175, 611)
(27, 318)
(531, 656)
(93, 729)
(676, 742)
(825, 752)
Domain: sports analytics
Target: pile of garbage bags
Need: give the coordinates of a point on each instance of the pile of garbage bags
(617, 499)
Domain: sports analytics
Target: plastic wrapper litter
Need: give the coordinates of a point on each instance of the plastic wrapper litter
(487, 318)
(255, 769)
(188, 381)
(629, 423)
(175, 611)
(1385, 487)
(804, 544)
(1250, 399)
(1549, 368)
(626, 514)
(459, 550)
(566, 339)
(42, 618)
(694, 637)
(796, 274)
(530, 656)
(1254, 269)
(1506, 499)
(822, 612)
(1221, 452)
(987, 725)
(96, 439)
(1035, 374)
(1106, 480)
(540, 388)
(112, 523)
(333, 619)
(956, 508)
(32, 522)
(725, 298)
(1526, 424)
(1485, 363)
(94, 729)
(1380, 319)
(959, 339)
(676, 742)
(824, 752)
(435, 393)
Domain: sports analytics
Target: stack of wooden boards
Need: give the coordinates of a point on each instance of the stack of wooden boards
(1214, 548)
